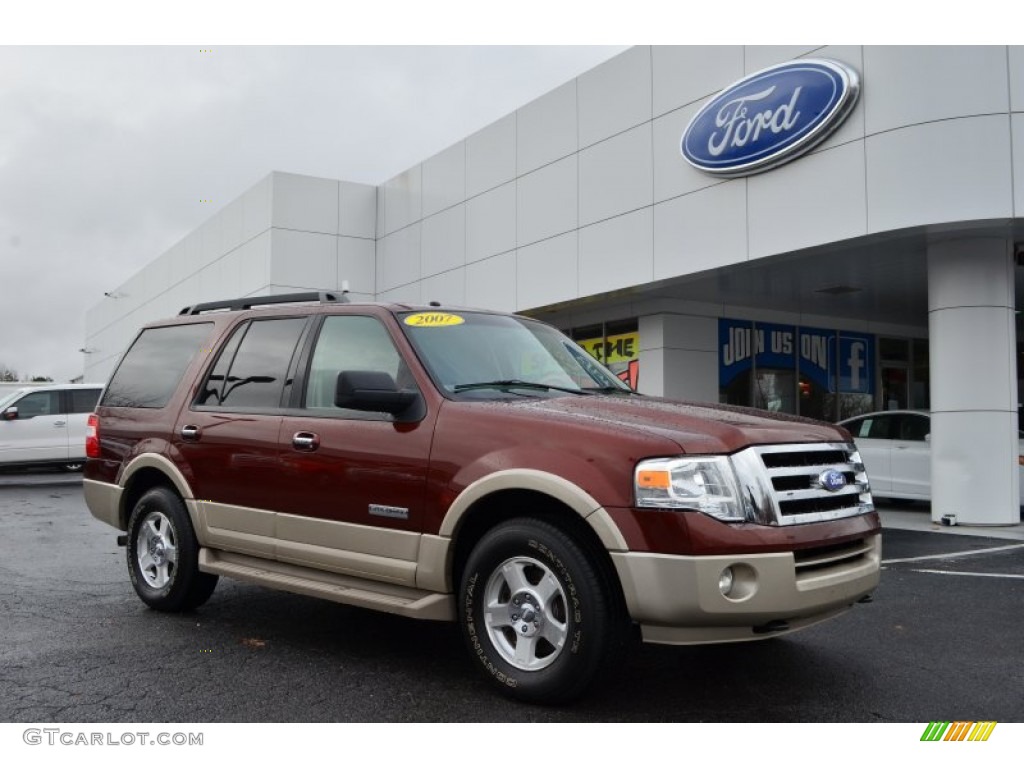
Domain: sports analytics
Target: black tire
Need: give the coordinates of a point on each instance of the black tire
(163, 555)
(563, 595)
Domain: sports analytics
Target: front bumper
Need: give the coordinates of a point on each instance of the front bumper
(676, 599)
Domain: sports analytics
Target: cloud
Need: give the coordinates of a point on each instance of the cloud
(107, 154)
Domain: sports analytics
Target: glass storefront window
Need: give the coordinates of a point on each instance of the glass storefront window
(616, 344)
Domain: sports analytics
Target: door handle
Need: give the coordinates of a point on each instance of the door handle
(189, 432)
(305, 441)
(59, 423)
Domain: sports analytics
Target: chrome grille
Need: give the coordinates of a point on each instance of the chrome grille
(782, 484)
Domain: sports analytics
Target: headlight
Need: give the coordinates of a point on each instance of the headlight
(706, 484)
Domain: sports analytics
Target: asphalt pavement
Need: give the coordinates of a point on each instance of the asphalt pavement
(940, 641)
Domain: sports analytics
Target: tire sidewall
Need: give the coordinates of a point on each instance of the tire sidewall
(570, 673)
(173, 594)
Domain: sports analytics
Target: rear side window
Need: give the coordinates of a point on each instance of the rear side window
(154, 365)
(251, 371)
(83, 400)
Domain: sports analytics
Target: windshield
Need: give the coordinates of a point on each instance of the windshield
(470, 352)
(8, 396)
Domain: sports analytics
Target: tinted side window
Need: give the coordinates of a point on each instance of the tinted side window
(256, 378)
(914, 427)
(83, 400)
(879, 427)
(152, 368)
(351, 343)
(38, 404)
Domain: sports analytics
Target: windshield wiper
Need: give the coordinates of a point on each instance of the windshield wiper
(609, 390)
(516, 383)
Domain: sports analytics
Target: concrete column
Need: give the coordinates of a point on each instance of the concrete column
(972, 339)
(679, 357)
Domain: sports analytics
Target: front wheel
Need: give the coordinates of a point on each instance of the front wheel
(163, 555)
(537, 613)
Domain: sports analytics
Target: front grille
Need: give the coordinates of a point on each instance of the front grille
(784, 485)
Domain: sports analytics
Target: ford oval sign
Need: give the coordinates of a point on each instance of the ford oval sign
(770, 117)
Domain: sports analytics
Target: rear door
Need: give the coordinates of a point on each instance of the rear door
(78, 404)
(911, 457)
(228, 437)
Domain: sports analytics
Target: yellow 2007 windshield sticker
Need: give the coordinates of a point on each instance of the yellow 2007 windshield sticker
(433, 320)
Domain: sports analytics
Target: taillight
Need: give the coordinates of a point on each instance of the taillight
(92, 436)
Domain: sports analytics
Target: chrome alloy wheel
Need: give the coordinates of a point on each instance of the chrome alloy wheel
(156, 549)
(526, 613)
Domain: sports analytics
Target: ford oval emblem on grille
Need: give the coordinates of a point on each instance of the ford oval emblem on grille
(770, 117)
(832, 480)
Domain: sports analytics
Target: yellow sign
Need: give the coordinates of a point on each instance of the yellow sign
(433, 320)
(620, 348)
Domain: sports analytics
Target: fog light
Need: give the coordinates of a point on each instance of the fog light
(725, 581)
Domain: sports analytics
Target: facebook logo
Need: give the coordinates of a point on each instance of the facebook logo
(856, 366)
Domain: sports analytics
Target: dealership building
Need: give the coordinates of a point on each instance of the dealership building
(821, 231)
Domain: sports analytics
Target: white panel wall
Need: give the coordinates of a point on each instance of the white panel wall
(683, 74)
(400, 201)
(920, 84)
(617, 252)
(616, 176)
(256, 208)
(304, 203)
(491, 156)
(444, 241)
(547, 272)
(306, 260)
(546, 129)
(398, 258)
(700, 231)
(444, 179)
(946, 171)
(1017, 127)
(817, 200)
(357, 210)
(491, 223)
(615, 96)
(447, 288)
(760, 56)
(357, 263)
(491, 283)
(547, 201)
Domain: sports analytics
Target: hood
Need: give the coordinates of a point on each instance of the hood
(695, 427)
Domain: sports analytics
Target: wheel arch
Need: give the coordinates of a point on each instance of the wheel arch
(149, 471)
(515, 493)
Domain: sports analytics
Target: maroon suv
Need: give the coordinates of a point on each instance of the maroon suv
(468, 466)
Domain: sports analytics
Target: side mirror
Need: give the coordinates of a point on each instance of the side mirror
(372, 391)
(11, 413)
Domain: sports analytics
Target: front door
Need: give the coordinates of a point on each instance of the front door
(39, 431)
(354, 480)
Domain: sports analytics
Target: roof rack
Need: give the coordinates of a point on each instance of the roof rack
(233, 305)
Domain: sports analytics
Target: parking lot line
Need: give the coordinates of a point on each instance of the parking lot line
(950, 555)
(970, 573)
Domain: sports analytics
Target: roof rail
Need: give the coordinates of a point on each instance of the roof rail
(256, 301)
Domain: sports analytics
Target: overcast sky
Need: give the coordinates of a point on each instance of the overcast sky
(106, 152)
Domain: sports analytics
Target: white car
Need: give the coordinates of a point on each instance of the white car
(896, 451)
(46, 424)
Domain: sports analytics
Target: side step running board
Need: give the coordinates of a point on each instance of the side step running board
(350, 590)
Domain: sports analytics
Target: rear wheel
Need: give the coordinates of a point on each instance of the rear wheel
(163, 555)
(538, 615)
